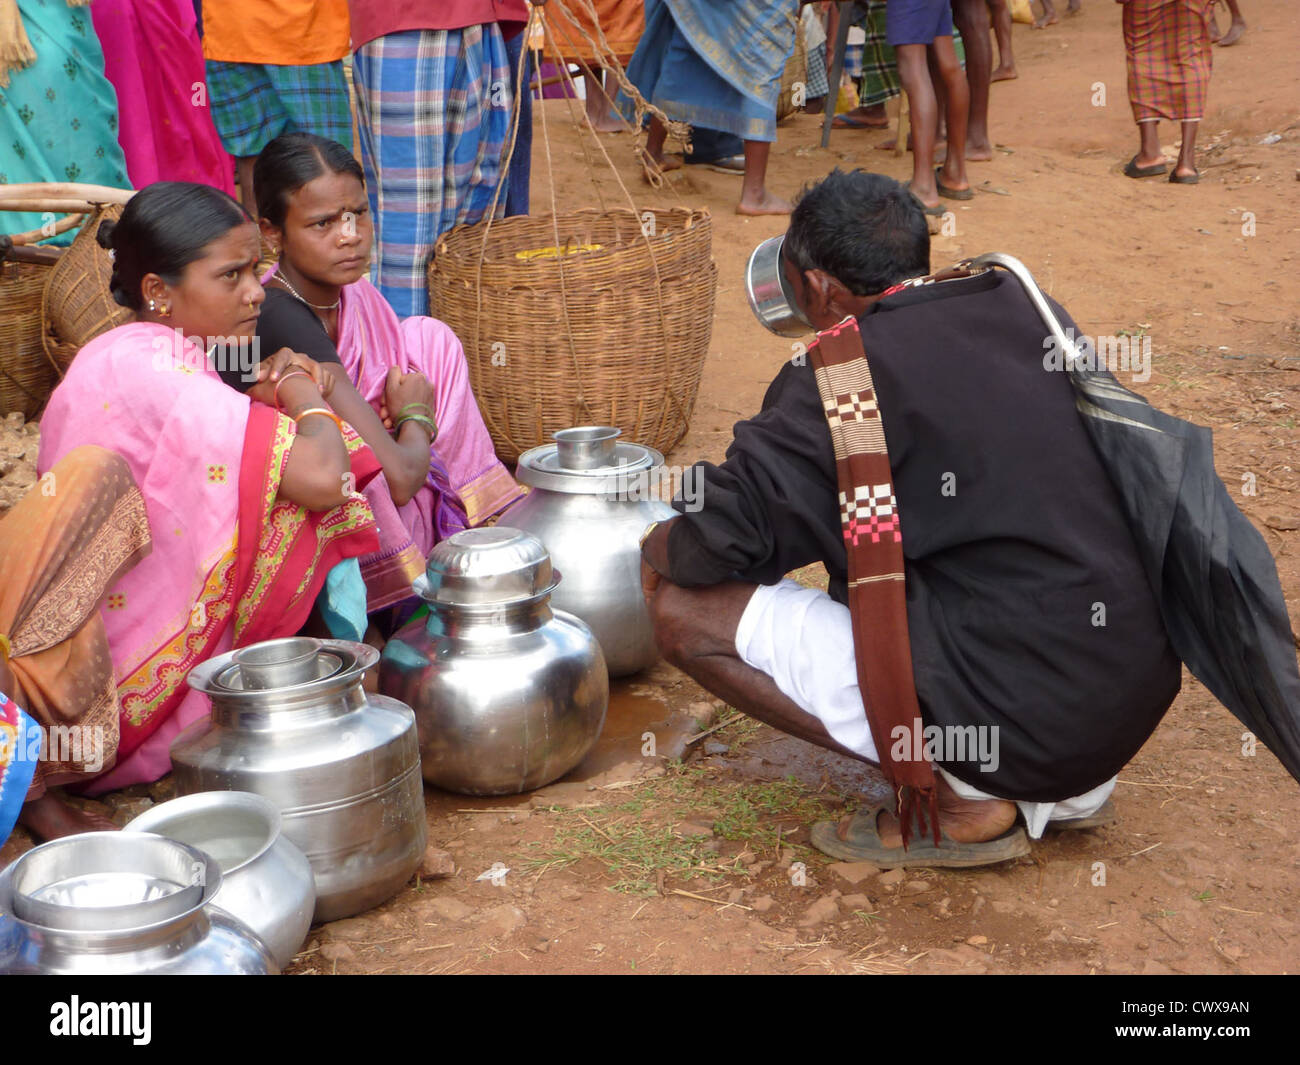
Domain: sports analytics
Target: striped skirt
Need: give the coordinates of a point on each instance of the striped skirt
(1169, 58)
(433, 114)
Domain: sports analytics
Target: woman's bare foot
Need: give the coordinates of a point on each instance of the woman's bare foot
(1233, 35)
(50, 817)
(981, 153)
(862, 117)
(764, 203)
(1004, 74)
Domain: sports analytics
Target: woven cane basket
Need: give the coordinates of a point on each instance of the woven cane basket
(78, 304)
(614, 335)
(26, 375)
(796, 71)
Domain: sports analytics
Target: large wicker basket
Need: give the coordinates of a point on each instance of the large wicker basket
(78, 304)
(608, 335)
(26, 375)
(795, 72)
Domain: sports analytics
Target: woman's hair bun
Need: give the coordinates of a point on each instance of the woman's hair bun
(104, 234)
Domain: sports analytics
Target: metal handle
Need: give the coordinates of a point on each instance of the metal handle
(1021, 273)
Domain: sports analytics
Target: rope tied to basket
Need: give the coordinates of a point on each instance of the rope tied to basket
(539, 25)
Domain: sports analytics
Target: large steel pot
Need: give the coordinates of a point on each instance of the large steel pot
(121, 903)
(770, 295)
(508, 694)
(266, 881)
(343, 768)
(592, 498)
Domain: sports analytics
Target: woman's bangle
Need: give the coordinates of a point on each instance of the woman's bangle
(423, 419)
(422, 406)
(283, 379)
(319, 410)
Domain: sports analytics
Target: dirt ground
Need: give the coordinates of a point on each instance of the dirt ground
(697, 859)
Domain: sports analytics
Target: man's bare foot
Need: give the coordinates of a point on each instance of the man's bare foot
(976, 154)
(1046, 20)
(50, 817)
(662, 161)
(1233, 35)
(1074, 7)
(764, 203)
(872, 117)
(1004, 74)
(608, 124)
(962, 820)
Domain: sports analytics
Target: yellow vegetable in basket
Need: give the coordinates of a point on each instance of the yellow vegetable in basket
(553, 252)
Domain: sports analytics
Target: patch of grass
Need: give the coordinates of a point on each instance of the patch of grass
(635, 843)
(1205, 896)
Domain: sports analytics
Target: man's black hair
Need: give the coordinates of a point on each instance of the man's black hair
(866, 230)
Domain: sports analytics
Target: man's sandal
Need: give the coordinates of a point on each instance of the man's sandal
(864, 845)
(1131, 169)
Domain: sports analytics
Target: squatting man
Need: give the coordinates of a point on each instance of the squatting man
(1038, 657)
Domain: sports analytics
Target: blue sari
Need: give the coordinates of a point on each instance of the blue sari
(715, 63)
(20, 744)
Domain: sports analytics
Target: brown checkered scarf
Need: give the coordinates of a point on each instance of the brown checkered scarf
(877, 603)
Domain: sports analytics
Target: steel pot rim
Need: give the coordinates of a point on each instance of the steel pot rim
(198, 801)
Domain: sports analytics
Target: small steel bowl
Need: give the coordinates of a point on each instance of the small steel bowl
(769, 292)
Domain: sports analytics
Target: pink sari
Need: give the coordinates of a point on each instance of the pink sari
(467, 484)
(153, 57)
(231, 564)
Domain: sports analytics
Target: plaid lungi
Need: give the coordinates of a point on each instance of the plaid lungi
(1169, 58)
(253, 103)
(879, 65)
(433, 114)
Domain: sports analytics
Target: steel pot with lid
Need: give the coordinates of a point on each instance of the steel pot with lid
(592, 498)
(292, 723)
(121, 903)
(508, 693)
(266, 882)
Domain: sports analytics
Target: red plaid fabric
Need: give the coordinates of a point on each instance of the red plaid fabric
(1169, 58)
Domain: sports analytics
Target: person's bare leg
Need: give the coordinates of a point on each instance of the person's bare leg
(1149, 153)
(244, 171)
(1074, 7)
(654, 146)
(754, 197)
(695, 629)
(914, 73)
(971, 17)
(1186, 165)
(50, 817)
(1235, 30)
(957, 96)
(1006, 68)
(600, 109)
(1049, 16)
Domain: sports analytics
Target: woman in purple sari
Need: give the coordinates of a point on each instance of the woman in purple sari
(406, 378)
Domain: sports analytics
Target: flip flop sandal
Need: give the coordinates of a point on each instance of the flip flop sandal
(1131, 169)
(937, 211)
(952, 194)
(864, 845)
(1103, 816)
(845, 122)
(1176, 178)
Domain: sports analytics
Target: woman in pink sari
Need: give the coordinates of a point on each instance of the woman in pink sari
(250, 506)
(409, 376)
(154, 59)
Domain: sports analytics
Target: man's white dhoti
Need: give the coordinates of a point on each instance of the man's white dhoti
(803, 640)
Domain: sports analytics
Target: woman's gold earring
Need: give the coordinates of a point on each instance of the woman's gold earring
(165, 311)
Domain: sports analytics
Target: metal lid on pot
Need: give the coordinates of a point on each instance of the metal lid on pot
(480, 567)
(587, 460)
(262, 673)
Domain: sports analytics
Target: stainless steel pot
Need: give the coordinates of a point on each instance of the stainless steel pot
(770, 296)
(508, 694)
(118, 903)
(592, 498)
(343, 768)
(266, 882)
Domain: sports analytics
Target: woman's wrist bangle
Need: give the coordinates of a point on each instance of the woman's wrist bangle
(319, 410)
(417, 406)
(283, 379)
(422, 419)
